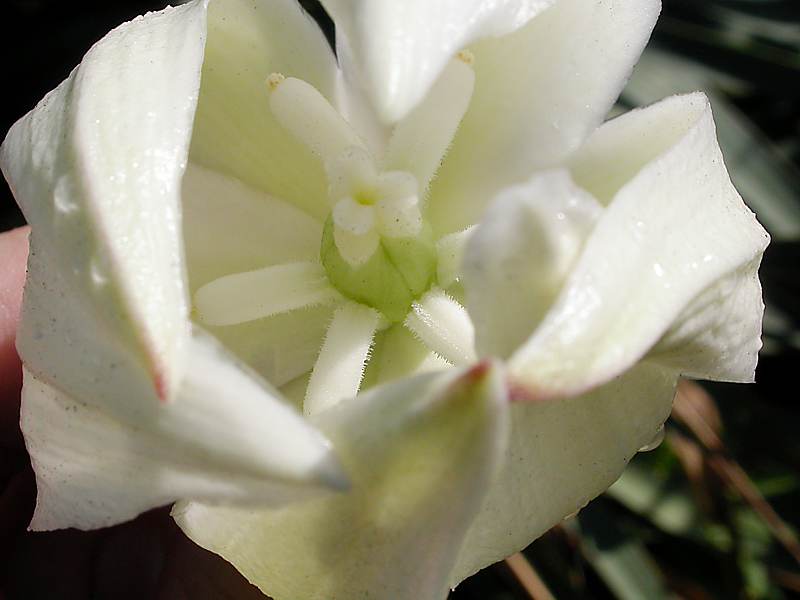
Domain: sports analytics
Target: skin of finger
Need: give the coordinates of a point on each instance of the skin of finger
(13, 258)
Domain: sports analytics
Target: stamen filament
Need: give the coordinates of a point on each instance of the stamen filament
(420, 141)
(243, 297)
(443, 325)
(310, 118)
(340, 366)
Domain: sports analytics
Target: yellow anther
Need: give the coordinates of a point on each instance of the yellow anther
(274, 80)
(467, 57)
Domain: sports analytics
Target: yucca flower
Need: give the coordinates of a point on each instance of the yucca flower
(480, 296)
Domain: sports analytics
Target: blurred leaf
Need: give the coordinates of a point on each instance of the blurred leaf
(620, 559)
(769, 183)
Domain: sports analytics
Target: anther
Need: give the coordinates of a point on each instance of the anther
(274, 80)
(467, 57)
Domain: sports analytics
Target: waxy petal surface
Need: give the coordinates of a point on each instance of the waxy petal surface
(668, 238)
(235, 131)
(420, 454)
(95, 470)
(517, 259)
(396, 50)
(562, 454)
(229, 227)
(539, 93)
(96, 168)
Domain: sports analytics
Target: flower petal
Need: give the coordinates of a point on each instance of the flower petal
(94, 470)
(539, 93)
(235, 131)
(396, 50)
(420, 452)
(561, 455)
(96, 168)
(519, 256)
(282, 347)
(229, 227)
(671, 235)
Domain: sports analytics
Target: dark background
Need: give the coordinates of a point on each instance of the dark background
(704, 516)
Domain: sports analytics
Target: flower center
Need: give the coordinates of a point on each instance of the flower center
(376, 247)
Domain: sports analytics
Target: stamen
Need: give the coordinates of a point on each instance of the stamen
(450, 252)
(443, 325)
(274, 80)
(420, 141)
(310, 118)
(253, 295)
(340, 366)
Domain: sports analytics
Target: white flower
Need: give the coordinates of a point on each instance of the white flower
(308, 201)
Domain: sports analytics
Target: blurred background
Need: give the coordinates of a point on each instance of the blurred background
(711, 513)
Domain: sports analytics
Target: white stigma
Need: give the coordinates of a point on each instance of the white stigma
(368, 205)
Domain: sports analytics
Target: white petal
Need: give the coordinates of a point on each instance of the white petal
(282, 347)
(420, 454)
(519, 256)
(672, 233)
(229, 227)
(444, 326)
(539, 93)
(340, 366)
(398, 49)
(419, 142)
(235, 132)
(562, 454)
(96, 167)
(398, 353)
(243, 297)
(718, 335)
(94, 470)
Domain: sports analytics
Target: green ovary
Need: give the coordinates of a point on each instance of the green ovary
(399, 272)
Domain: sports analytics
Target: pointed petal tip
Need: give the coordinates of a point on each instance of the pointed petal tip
(331, 473)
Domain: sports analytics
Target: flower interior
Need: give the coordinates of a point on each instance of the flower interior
(379, 259)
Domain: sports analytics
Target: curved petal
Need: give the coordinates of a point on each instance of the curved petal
(396, 50)
(96, 168)
(561, 455)
(539, 93)
(520, 254)
(671, 235)
(235, 131)
(421, 454)
(94, 470)
(281, 347)
(229, 227)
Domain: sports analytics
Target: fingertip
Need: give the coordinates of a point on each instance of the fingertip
(13, 258)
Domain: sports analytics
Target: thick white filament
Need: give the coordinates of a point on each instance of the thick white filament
(243, 297)
(340, 366)
(420, 141)
(443, 325)
(310, 118)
